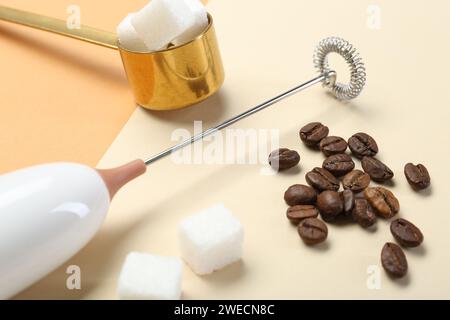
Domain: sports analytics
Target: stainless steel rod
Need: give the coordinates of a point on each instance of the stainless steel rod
(237, 118)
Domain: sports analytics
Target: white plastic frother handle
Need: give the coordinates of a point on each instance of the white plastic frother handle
(48, 213)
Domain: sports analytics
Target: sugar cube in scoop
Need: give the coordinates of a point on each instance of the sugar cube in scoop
(128, 37)
(200, 22)
(162, 21)
(150, 277)
(211, 239)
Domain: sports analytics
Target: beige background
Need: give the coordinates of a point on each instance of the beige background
(267, 47)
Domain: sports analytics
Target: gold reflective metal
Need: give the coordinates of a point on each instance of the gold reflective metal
(176, 77)
(168, 79)
(85, 33)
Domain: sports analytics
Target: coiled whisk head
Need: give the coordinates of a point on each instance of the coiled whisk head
(351, 56)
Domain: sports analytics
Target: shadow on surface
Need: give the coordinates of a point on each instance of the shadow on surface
(209, 111)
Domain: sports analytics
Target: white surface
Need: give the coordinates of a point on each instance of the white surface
(47, 214)
(161, 21)
(211, 239)
(128, 37)
(150, 277)
(200, 22)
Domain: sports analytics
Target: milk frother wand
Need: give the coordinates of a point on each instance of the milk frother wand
(49, 212)
(327, 77)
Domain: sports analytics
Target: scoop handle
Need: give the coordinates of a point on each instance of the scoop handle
(84, 33)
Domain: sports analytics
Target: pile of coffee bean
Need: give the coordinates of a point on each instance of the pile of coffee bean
(358, 202)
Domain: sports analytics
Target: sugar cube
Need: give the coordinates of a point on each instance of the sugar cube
(211, 239)
(200, 23)
(150, 277)
(162, 21)
(128, 37)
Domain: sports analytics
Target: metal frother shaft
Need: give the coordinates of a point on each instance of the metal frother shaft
(235, 119)
(327, 77)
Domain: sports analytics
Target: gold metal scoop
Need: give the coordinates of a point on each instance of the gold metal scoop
(167, 79)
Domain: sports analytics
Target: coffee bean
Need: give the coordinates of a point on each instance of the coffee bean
(339, 164)
(361, 144)
(282, 159)
(330, 205)
(406, 234)
(322, 180)
(300, 212)
(300, 194)
(312, 231)
(333, 145)
(356, 181)
(360, 195)
(417, 176)
(376, 169)
(394, 260)
(363, 214)
(313, 133)
(383, 201)
(348, 200)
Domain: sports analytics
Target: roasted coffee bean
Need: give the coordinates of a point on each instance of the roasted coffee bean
(394, 260)
(282, 159)
(298, 213)
(333, 145)
(330, 205)
(313, 133)
(361, 144)
(383, 201)
(322, 180)
(360, 195)
(339, 164)
(376, 169)
(312, 231)
(356, 181)
(406, 234)
(363, 214)
(348, 200)
(300, 194)
(417, 176)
